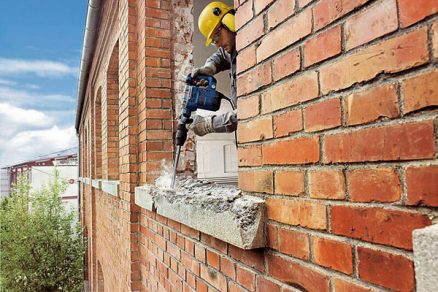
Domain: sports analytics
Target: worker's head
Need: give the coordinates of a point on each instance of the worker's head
(216, 23)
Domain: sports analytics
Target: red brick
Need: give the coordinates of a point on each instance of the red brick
(259, 5)
(256, 181)
(376, 21)
(293, 243)
(214, 242)
(299, 213)
(371, 104)
(255, 130)
(234, 287)
(254, 79)
(213, 259)
(374, 185)
(250, 156)
(291, 92)
(410, 14)
(247, 59)
(395, 142)
(252, 31)
(214, 278)
(287, 123)
(228, 268)
(246, 278)
(420, 91)
(389, 56)
(380, 267)
(344, 286)
(326, 11)
(189, 231)
(253, 258)
(248, 107)
(289, 183)
(265, 285)
(306, 150)
(200, 253)
(285, 35)
(243, 14)
(327, 184)
(333, 254)
(422, 185)
(272, 236)
(303, 3)
(388, 227)
(322, 115)
(286, 64)
(201, 286)
(297, 275)
(279, 11)
(330, 40)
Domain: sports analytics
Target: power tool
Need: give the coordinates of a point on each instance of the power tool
(199, 93)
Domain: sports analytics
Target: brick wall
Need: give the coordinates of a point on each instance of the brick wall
(337, 107)
(337, 128)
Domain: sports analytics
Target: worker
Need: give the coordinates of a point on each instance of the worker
(216, 23)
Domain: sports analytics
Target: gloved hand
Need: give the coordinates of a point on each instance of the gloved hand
(202, 125)
(206, 70)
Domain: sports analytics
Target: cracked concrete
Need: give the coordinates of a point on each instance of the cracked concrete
(221, 211)
(426, 258)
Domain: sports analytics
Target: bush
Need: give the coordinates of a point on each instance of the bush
(41, 245)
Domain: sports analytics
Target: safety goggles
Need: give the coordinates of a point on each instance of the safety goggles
(217, 35)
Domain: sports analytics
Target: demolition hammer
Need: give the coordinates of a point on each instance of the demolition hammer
(199, 93)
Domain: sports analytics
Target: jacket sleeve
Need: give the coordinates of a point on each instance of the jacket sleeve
(225, 123)
(218, 61)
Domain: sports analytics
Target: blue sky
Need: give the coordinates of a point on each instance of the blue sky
(40, 50)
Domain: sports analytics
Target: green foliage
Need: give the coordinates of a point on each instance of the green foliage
(41, 245)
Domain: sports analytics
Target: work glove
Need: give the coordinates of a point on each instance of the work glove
(206, 70)
(202, 125)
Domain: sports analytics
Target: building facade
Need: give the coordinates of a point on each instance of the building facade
(41, 170)
(337, 134)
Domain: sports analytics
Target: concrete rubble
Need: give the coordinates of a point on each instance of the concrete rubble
(221, 211)
(426, 258)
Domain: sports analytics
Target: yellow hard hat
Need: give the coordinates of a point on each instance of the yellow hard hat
(211, 16)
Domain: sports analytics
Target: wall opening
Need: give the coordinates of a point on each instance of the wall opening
(100, 279)
(216, 154)
(98, 134)
(112, 112)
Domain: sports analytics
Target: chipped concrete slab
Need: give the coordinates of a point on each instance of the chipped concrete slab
(426, 258)
(111, 187)
(96, 183)
(218, 210)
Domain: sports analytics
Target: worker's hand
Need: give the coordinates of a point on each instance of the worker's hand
(202, 125)
(206, 70)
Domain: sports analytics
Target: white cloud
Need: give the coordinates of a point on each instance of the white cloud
(28, 133)
(42, 68)
(20, 97)
(6, 82)
(11, 115)
(28, 145)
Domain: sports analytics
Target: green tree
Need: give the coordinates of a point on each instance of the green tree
(41, 245)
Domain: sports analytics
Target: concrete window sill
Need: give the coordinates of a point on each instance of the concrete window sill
(217, 210)
(85, 180)
(111, 187)
(96, 183)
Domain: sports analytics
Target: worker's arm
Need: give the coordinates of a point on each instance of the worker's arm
(216, 63)
(224, 123)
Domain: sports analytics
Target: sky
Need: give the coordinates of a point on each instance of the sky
(40, 52)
